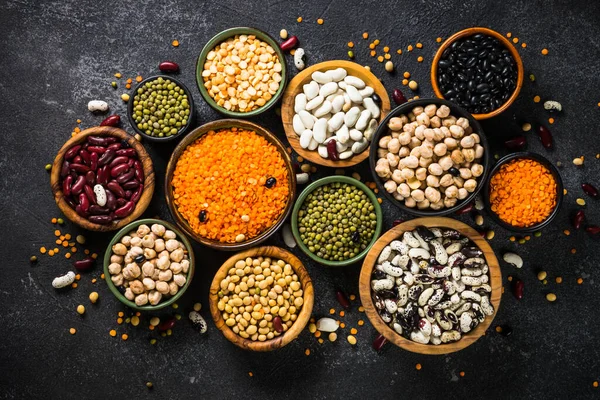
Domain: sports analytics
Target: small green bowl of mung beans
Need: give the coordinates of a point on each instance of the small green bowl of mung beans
(161, 108)
(336, 220)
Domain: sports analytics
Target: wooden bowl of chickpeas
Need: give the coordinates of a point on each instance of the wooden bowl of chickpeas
(429, 157)
(261, 298)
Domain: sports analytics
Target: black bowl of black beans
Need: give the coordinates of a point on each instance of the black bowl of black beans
(478, 69)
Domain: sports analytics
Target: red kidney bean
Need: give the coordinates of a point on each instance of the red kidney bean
(111, 200)
(100, 219)
(118, 170)
(97, 210)
(113, 120)
(124, 211)
(64, 170)
(517, 288)
(101, 141)
(397, 222)
(85, 156)
(115, 146)
(131, 185)
(89, 192)
(398, 97)
(289, 43)
(137, 194)
(545, 136)
(126, 177)
(78, 185)
(116, 188)
(79, 168)
(466, 209)
(168, 66)
(379, 342)
(126, 152)
(102, 175)
(70, 202)
(107, 157)
(118, 160)
(72, 152)
(593, 229)
(77, 159)
(121, 201)
(130, 162)
(139, 171)
(589, 189)
(90, 177)
(84, 202)
(578, 219)
(94, 161)
(277, 324)
(332, 152)
(166, 325)
(96, 149)
(85, 264)
(66, 186)
(516, 143)
(80, 211)
(128, 194)
(342, 299)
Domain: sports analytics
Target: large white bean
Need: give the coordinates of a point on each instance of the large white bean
(367, 91)
(371, 106)
(355, 134)
(337, 103)
(321, 77)
(334, 95)
(322, 150)
(324, 109)
(320, 130)
(307, 119)
(98, 106)
(64, 280)
(363, 120)
(305, 138)
(351, 117)
(346, 154)
(328, 88)
(298, 125)
(300, 102)
(336, 122)
(313, 144)
(337, 74)
(314, 103)
(311, 90)
(342, 134)
(360, 146)
(354, 81)
(354, 95)
(370, 130)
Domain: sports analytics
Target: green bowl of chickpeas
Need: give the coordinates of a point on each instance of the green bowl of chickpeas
(336, 220)
(149, 264)
(241, 72)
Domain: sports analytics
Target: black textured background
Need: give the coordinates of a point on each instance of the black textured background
(56, 56)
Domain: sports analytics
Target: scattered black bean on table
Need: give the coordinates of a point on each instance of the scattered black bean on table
(478, 73)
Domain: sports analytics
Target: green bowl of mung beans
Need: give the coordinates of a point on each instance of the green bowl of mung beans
(336, 220)
(161, 108)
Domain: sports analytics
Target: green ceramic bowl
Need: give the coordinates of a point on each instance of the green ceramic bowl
(221, 37)
(325, 181)
(123, 232)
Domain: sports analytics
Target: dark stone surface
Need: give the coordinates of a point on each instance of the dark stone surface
(56, 56)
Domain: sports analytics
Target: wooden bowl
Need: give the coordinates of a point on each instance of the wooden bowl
(489, 32)
(389, 333)
(295, 87)
(163, 303)
(303, 317)
(215, 126)
(144, 158)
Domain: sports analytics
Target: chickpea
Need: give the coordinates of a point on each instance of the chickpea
(180, 280)
(136, 286)
(404, 138)
(114, 268)
(154, 297)
(397, 196)
(449, 202)
(451, 143)
(475, 137)
(421, 173)
(159, 245)
(435, 122)
(440, 149)
(163, 262)
(411, 116)
(451, 192)
(403, 190)
(446, 180)
(426, 151)
(117, 279)
(390, 186)
(457, 157)
(477, 170)
(438, 135)
(478, 151)
(393, 146)
(162, 287)
(416, 152)
(410, 128)
(435, 169)
(418, 111)
(462, 193)
(443, 111)
(381, 153)
(143, 230)
(131, 271)
(424, 162)
(404, 151)
(169, 235)
(429, 134)
(414, 142)
(382, 169)
(407, 173)
(395, 124)
(469, 154)
(437, 206)
(465, 173)
(173, 288)
(135, 241)
(119, 249)
(393, 159)
(470, 185)
(384, 141)
(456, 131)
(397, 176)
(433, 181)
(467, 142)
(141, 299)
(129, 294)
(116, 259)
(458, 181)
(148, 283)
(149, 253)
(449, 121)
(411, 161)
(430, 110)
(446, 162)
(433, 195)
(423, 119)
(410, 202)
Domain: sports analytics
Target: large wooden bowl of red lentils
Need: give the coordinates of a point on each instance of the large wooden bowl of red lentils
(230, 184)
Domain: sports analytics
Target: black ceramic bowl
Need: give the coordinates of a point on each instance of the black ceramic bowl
(458, 112)
(559, 191)
(182, 131)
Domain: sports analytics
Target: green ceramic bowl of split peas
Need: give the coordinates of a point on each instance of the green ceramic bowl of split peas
(260, 94)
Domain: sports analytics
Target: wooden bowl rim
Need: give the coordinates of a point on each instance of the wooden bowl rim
(216, 126)
(389, 333)
(325, 181)
(144, 158)
(297, 326)
(455, 110)
(519, 156)
(221, 37)
(507, 43)
(180, 236)
(287, 109)
(182, 131)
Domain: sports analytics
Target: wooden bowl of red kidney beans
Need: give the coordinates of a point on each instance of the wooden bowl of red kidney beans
(102, 179)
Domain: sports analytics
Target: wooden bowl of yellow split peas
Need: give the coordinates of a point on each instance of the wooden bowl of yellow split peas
(241, 72)
(262, 298)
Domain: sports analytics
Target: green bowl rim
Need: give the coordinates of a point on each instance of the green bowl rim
(325, 181)
(122, 233)
(221, 37)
